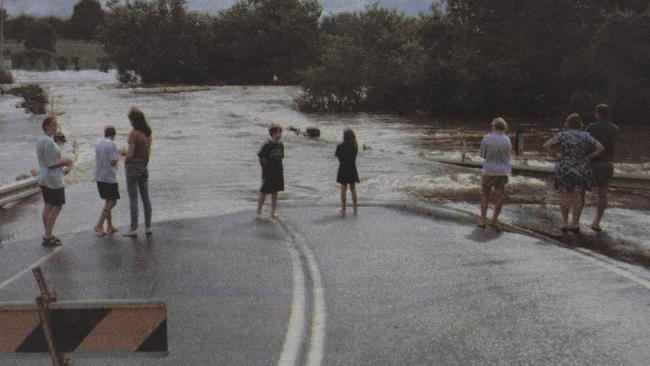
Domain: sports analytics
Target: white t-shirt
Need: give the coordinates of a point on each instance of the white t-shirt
(105, 151)
(48, 153)
(495, 149)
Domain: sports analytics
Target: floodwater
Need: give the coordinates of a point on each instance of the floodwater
(205, 143)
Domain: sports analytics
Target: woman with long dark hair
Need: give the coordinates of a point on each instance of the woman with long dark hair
(136, 167)
(347, 174)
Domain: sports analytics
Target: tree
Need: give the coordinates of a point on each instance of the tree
(41, 35)
(256, 40)
(86, 17)
(159, 41)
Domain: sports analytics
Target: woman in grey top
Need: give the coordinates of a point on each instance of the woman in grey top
(495, 149)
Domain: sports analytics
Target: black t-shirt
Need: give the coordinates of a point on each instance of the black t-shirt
(271, 155)
(607, 134)
(347, 153)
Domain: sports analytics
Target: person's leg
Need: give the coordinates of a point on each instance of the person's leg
(274, 205)
(565, 203)
(46, 219)
(99, 226)
(51, 220)
(110, 204)
(260, 205)
(353, 192)
(485, 195)
(601, 206)
(499, 193)
(576, 206)
(132, 189)
(344, 194)
(143, 186)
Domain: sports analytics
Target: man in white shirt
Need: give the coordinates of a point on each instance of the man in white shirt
(496, 149)
(50, 178)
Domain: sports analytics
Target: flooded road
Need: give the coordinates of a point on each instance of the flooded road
(204, 155)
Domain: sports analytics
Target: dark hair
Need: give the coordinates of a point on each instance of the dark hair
(274, 129)
(350, 137)
(109, 131)
(602, 111)
(573, 122)
(139, 121)
(47, 122)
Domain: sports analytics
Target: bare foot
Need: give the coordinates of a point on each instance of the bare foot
(99, 231)
(342, 212)
(274, 216)
(111, 230)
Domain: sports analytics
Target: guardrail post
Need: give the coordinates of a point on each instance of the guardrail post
(42, 302)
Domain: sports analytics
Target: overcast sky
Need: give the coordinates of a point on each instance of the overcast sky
(63, 8)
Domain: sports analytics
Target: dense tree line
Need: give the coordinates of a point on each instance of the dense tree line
(254, 41)
(485, 57)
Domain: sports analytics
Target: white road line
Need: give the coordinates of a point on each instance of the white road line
(44, 259)
(296, 328)
(317, 341)
(318, 322)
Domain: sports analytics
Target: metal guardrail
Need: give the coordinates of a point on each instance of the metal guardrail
(630, 181)
(20, 190)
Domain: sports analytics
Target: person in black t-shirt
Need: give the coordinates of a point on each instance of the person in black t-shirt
(602, 166)
(347, 174)
(270, 157)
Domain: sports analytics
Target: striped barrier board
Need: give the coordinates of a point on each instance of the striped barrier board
(84, 327)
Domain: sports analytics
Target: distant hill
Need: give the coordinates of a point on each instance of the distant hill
(63, 8)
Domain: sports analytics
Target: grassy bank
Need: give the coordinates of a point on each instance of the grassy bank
(86, 52)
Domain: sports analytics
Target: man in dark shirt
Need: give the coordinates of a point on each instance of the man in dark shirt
(607, 134)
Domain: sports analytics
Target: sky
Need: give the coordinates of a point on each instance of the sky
(63, 8)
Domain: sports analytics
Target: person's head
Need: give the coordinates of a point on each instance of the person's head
(573, 122)
(602, 112)
(499, 125)
(139, 121)
(109, 132)
(275, 131)
(50, 125)
(349, 136)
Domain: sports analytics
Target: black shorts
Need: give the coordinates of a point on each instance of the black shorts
(603, 174)
(53, 197)
(108, 191)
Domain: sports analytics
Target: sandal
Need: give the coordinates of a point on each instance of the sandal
(130, 234)
(112, 230)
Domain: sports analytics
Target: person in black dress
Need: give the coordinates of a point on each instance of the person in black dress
(270, 157)
(347, 175)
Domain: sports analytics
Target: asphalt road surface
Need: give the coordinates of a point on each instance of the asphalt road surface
(392, 286)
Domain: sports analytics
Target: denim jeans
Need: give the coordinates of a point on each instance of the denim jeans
(137, 179)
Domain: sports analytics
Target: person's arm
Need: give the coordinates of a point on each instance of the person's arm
(549, 145)
(115, 155)
(52, 161)
(131, 149)
(262, 154)
(482, 150)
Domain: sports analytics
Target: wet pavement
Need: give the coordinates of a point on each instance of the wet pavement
(396, 285)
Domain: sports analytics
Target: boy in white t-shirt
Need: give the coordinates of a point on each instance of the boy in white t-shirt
(106, 158)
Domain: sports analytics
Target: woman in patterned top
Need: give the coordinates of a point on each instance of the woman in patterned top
(573, 174)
